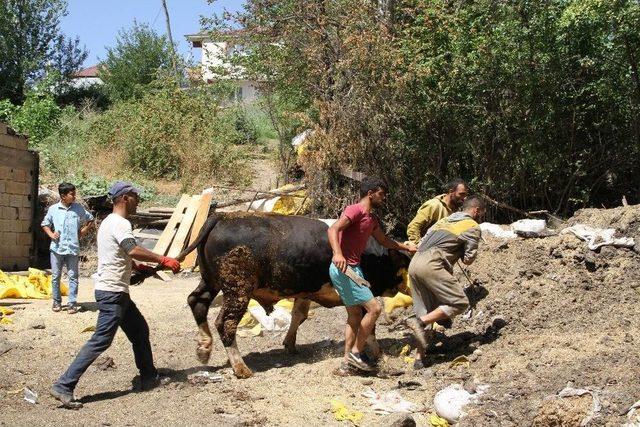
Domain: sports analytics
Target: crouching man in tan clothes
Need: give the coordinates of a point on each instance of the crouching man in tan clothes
(437, 295)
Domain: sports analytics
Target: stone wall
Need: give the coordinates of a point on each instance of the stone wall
(18, 194)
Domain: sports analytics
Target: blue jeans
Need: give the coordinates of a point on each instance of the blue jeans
(115, 309)
(57, 262)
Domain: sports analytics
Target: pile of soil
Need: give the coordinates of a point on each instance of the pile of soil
(571, 316)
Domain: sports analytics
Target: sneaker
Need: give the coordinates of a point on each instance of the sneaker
(357, 360)
(56, 306)
(65, 398)
(73, 308)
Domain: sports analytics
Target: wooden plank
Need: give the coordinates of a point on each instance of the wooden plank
(146, 235)
(164, 276)
(170, 230)
(201, 217)
(185, 226)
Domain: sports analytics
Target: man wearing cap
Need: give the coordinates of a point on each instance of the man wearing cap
(116, 250)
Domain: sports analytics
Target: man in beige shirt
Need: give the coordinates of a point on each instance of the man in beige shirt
(437, 208)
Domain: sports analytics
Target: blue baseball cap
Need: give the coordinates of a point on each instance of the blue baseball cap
(121, 188)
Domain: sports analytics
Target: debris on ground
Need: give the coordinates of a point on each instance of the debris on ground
(450, 401)
(437, 421)
(4, 312)
(388, 403)
(256, 320)
(571, 406)
(633, 415)
(30, 396)
(460, 361)
(204, 377)
(497, 230)
(104, 363)
(599, 237)
(91, 328)
(38, 324)
(342, 413)
(531, 228)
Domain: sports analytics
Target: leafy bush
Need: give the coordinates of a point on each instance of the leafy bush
(63, 152)
(37, 118)
(173, 134)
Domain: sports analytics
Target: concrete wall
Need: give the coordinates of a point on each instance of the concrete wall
(18, 194)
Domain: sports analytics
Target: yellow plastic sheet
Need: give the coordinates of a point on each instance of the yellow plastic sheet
(295, 203)
(342, 413)
(460, 361)
(37, 285)
(403, 298)
(4, 312)
(436, 421)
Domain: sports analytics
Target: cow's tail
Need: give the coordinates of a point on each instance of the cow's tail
(204, 233)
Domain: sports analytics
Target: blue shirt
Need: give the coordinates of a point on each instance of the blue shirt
(67, 221)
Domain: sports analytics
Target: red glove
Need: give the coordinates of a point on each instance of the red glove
(170, 263)
(143, 268)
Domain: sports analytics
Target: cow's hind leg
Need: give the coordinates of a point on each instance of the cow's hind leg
(238, 274)
(373, 345)
(200, 300)
(299, 314)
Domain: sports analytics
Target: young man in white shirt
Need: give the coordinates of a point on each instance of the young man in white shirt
(116, 250)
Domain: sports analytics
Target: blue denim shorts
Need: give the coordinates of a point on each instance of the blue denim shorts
(350, 292)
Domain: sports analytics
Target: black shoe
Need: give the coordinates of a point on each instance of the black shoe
(149, 382)
(65, 398)
(418, 364)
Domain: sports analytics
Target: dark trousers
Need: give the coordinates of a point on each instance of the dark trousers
(115, 309)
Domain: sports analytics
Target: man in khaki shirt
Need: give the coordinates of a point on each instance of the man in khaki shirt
(437, 208)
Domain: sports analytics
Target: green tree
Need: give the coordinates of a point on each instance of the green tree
(135, 61)
(536, 103)
(31, 44)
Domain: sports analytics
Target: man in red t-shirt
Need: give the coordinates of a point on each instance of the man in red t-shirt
(348, 238)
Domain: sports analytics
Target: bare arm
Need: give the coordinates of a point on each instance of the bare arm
(385, 241)
(50, 233)
(334, 241)
(85, 229)
(141, 254)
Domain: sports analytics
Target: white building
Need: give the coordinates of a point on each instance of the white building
(215, 61)
(86, 77)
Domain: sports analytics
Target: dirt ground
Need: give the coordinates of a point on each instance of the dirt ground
(547, 313)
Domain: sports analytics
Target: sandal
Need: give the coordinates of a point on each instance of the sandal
(56, 307)
(73, 309)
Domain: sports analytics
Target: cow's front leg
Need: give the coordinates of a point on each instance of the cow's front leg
(199, 301)
(299, 314)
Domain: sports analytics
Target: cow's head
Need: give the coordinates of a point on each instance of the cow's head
(386, 273)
